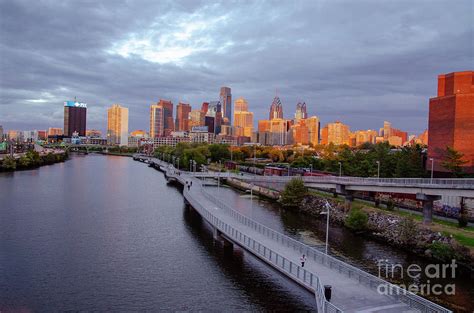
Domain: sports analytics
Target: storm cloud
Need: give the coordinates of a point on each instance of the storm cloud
(361, 62)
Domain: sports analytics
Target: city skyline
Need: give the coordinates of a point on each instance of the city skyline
(359, 82)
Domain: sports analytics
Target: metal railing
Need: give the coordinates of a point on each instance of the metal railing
(290, 268)
(361, 276)
(352, 272)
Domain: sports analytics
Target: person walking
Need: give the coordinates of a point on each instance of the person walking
(189, 185)
(303, 260)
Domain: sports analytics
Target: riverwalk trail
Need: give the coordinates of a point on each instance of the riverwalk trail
(352, 290)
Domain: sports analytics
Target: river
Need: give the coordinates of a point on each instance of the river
(105, 233)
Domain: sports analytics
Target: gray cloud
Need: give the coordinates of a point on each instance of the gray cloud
(359, 62)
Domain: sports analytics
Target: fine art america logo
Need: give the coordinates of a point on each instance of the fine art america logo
(415, 272)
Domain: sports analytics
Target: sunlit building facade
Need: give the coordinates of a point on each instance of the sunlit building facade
(243, 119)
(117, 125)
(225, 97)
(182, 117)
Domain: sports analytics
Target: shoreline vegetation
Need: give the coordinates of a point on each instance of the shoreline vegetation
(441, 241)
(31, 160)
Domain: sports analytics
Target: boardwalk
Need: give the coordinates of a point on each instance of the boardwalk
(353, 290)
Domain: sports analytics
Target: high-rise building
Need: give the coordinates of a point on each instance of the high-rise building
(451, 119)
(75, 115)
(117, 125)
(243, 119)
(313, 127)
(1, 133)
(279, 132)
(365, 136)
(161, 119)
(182, 117)
(225, 97)
(386, 130)
(300, 133)
(336, 133)
(215, 111)
(276, 109)
(300, 111)
(196, 118)
(156, 121)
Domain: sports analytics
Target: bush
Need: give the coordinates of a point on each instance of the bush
(408, 229)
(293, 193)
(390, 204)
(9, 164)
(357, 220)
(442, 251)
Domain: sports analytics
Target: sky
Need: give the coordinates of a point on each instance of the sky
(360, 62)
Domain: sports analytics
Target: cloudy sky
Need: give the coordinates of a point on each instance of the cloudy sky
(360, 62)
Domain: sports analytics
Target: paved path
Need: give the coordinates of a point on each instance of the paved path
(350, 293)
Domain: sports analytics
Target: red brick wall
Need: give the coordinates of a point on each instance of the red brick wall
(441, 128)
(464, 127)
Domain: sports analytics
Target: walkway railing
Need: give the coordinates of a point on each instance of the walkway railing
(361, 276)
(276, 260)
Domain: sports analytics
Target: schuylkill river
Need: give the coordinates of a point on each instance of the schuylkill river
(105, 233)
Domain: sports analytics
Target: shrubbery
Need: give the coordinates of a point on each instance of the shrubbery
(357, 220)
(294, 192)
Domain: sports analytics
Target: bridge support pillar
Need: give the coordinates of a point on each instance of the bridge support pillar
(348, 198)
(427, 201)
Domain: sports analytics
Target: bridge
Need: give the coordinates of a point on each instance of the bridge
(353, 290)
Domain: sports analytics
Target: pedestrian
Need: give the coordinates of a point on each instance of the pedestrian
(303, 259)
(191, 183)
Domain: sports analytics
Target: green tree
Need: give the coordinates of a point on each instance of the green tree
(24, 161)
(219, 152)
(9, 164)
(356, 220)
(294, 192)
(453, 161)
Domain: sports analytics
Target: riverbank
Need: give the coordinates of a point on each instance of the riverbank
(31, 160)
(436, 242)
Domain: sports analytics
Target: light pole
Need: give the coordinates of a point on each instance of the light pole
(178, 163)
(432, 168)
(328, 206)
(190, 166)
(254, 160)
(311, 167)
(378, 169)
(340, 169)
(219, 176)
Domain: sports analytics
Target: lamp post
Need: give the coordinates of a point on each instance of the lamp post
(378, 169)
(177, 161)
(190, 166)
(340, 169)
(219, 176)
(328, 206)
(432, 168)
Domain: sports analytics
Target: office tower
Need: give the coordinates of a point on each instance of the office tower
(300, 111)
(313, 128)
(75, 115)
(365, 136)
(225, 97)
(215, 111)
(276, 109)
(209, 122)
(451, 119)
(55, 131)
(205, 107)
(182, 117)
(117, 125)
(196, 118)
(278, 132)
(161, 119)
(1, 133)
(156, 121)
(243, 119)
(336, 133)
(300, 133)
(386, 130)
(42, 135)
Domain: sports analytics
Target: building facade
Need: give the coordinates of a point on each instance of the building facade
(276, 109)
(75, 118)
(243, 119)
(182, 117)
(117, 125)
(451, 119)
(225, 97)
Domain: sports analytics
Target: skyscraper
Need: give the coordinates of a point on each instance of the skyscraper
(243, 119)
(336, 133)
(313, 127)
(300, 111)
(215, 111)
(117, 125)
(276, 108)
(156, 121)
(1, 133)
(182, 117)
(451, 119)
(75, 115)
(226, 103)
(161, 119)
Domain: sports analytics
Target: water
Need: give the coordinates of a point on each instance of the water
(107, 233)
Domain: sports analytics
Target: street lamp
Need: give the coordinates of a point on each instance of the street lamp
(340, 169)
(328, 206)
(378, 168)
(432, 168)
(178, 163)
(190, 166)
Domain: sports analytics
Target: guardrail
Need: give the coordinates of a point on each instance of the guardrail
(363, 277)
(276, 260)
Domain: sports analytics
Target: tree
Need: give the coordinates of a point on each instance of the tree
(9, 164)
(219, 152)
(453, 161)
(357, 220)
(294, 192)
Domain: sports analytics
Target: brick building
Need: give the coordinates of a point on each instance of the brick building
(451, 119)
